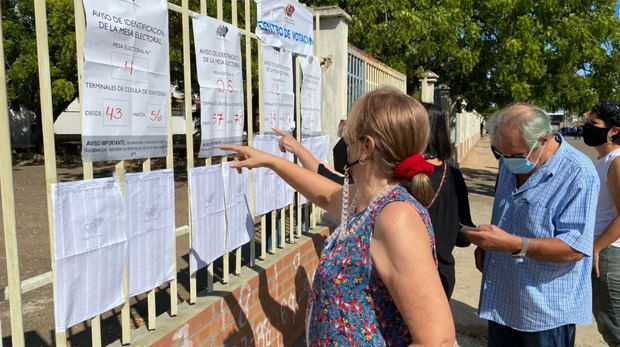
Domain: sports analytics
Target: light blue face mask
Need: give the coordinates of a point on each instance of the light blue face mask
(520, 166)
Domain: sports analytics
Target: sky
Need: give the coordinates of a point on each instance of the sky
(618, 10)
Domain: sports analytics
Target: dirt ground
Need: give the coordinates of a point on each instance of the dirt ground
(479, 169)
(34, 253)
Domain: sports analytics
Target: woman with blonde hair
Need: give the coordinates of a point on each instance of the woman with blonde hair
(377, 282)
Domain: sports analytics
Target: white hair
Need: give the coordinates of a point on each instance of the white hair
(532, 121)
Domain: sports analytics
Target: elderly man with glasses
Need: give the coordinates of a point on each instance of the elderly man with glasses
(536, 253)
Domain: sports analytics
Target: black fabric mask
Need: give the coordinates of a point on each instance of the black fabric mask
(594, 136)
(348, 165)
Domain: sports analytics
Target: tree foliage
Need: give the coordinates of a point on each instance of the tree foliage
(20, 48)
(558, 54)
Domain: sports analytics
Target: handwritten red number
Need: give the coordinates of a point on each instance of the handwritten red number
(114, 113)
(238, 119)
(156, 116)
(129, 65)
(274, 118)
(217, 118)
(223, 87)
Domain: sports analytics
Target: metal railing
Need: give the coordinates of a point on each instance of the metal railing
(16, 288)
(366, 73)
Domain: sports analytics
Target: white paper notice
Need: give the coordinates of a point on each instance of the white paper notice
(285, 191)
(208, 215)
(126, 80)
(90, 249)
(264, 179)
(310, 96)
(321, 148)
(238, 216)
(150, 222)
(270, 191)
(318, 146)
(279, 96)
(218, 63)
(308, 143)
(285, 24)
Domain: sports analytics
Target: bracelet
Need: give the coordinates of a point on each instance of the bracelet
(523, 251)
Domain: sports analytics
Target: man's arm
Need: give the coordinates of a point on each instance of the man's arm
(492, 238)
(573, 229)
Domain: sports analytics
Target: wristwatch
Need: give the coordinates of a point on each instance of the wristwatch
(523, 251)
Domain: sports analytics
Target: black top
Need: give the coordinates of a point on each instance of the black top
(449, 208)
(323, 171)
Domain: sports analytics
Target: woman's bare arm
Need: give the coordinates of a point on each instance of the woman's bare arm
(401, 253)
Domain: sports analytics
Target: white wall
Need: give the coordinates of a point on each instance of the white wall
(333, 45)
(467, 133)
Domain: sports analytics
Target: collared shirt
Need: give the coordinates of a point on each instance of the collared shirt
(558, 200)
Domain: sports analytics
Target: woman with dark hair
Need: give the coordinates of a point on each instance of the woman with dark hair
(602, 131)
(450, 206)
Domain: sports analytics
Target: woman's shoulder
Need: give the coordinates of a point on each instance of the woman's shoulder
(396, 194)
(402, 194)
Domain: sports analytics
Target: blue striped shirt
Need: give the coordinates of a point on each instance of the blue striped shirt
(558, 200)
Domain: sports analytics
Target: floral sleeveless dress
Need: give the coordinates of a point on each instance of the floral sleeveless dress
(349, 305)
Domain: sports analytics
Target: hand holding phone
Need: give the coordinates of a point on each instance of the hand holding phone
(469, 227)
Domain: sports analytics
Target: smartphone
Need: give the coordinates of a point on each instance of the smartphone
(469, 227)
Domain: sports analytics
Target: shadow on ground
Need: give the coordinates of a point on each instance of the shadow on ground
(480, 181)
(466, 320)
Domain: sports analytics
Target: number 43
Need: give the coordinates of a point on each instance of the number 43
(114, 113)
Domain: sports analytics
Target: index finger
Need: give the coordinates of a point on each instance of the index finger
(235, 148)
(279, 131)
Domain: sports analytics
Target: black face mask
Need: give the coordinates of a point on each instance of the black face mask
(348, 165)
(594, 136)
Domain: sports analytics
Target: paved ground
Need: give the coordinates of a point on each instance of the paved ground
(479, 169)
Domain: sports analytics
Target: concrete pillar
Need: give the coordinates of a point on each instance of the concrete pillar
(427, 82)
(333, 50)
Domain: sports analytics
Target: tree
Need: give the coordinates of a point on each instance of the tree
(557, 54)
(20, 47)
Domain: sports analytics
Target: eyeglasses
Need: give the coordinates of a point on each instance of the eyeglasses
(499, 154)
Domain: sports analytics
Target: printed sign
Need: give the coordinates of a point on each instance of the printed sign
(279, 96)
(150, 229)
(310, 96)
(239, 224)
(90, 249)
(285, 24)
(218, 62)
(126, 80)
(208, 215)
(270, 191)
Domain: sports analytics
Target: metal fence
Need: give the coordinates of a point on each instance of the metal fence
(16, 287)
(366, 73)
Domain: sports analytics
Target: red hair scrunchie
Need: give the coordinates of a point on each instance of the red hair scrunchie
(412, 166)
